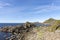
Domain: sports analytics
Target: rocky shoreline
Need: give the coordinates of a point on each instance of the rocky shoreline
(18, 32)
(29, 31)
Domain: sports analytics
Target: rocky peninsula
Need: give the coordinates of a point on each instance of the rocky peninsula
(29, 31)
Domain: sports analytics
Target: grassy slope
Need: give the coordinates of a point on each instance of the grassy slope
(45, 33)
(54, 25)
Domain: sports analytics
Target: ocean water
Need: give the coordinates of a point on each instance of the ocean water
(9, 24)
(4, 35)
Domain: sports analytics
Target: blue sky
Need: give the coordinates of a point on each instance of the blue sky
(16, 11)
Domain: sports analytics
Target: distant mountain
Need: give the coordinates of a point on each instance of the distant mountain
(50, 20)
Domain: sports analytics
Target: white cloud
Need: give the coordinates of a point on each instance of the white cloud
(3, 4)
(46, 8)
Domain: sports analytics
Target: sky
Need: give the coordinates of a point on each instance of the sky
(18, 11)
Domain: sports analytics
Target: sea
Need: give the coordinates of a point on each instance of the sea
(4, 35)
